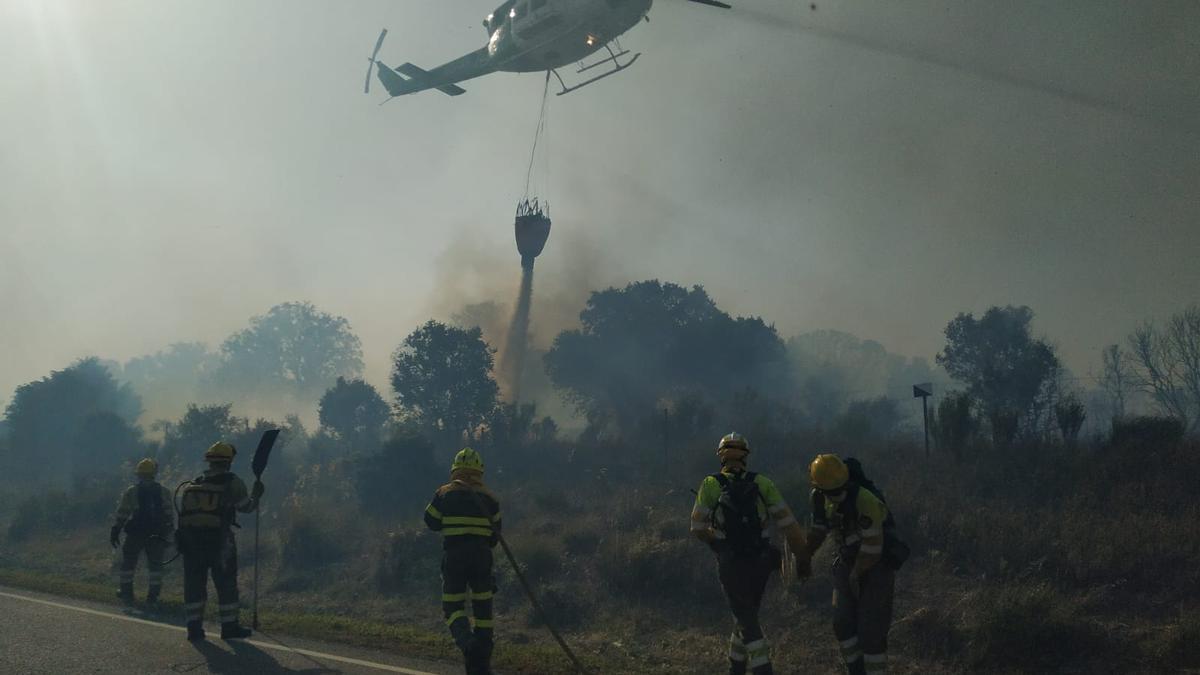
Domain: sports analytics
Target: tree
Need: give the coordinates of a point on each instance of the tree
(652, 342)
(442, 376)
(396, 480)
(1003, 366)
(1070, 414)
(355, 412)
(954, 424)
(1167, 364)
(294, 349)
(1117, 378)
(200, 427)
(169, 379)
(48, 420)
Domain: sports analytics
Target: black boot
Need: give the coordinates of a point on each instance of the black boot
(152, 595)
(195, 631)
(479, 657)
(764, 669)
(233, 631)
(125, 593)
(737, 667)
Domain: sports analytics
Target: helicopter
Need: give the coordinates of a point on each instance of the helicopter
(531, 36)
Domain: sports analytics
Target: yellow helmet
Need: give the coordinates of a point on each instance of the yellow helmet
(828, 472)
(467, 459)
(220, 452)
(733, 440)
(147, 468)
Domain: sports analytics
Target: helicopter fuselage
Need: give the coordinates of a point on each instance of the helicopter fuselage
(526, 36)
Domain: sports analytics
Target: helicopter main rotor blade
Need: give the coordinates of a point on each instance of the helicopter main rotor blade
(713, 3)
(371, 66)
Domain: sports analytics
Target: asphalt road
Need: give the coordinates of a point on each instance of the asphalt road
(45, 634)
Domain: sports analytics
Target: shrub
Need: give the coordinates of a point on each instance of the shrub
(1031, 628)
(1147, 430)
(407, 558)
(1181, 649)
(306, 544)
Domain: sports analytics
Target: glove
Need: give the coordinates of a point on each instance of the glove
(114, 536)
(256, 492)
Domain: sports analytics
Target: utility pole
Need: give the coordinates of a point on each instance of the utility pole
(923, 391)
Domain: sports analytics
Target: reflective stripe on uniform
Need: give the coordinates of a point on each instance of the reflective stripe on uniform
(852, 539)
(873, 532)
(194, 610)
(485, 623)
(458, 531)
(759, 652)
(455, 616)
(875, 663)
(737, 650)
(433, 512)
(466, 520)
(228, 612)
(486, 595)
(785, 521)
(496, 518)
(454, 597)
(850, 650)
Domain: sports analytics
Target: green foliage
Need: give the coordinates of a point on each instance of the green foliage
(1070, 413)
(653, 341)
(293, 350)
(954, 425)
(170, 379)
(50, 420)
(201, 426)
(396, 482)
(307, 543)
(875, 418)
(1004, 367)
(91, 501)
(354, 411)
(442, 375)
(1147, 430)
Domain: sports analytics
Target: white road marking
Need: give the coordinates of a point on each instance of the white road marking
(256, 643)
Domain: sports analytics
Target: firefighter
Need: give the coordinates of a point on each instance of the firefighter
(736, 513)
(863, 581)
(468, 516)
(208, 510)
(145, 513)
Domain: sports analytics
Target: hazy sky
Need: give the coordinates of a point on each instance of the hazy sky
(168, 169)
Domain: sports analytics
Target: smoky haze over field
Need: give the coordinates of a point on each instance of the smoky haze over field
(168, 170)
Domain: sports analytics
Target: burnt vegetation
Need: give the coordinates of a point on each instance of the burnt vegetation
(1053, 525)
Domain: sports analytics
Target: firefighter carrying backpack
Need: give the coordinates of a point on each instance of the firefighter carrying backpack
(204, 503)
(895, 550)
(150, 514)
(742, 524)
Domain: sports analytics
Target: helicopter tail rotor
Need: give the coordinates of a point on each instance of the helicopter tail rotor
(371, 66)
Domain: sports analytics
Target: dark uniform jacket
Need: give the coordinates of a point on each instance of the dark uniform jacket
(456, 512)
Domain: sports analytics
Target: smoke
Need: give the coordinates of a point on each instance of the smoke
(512, 363)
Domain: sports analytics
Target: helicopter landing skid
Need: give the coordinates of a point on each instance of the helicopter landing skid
(613, 63)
